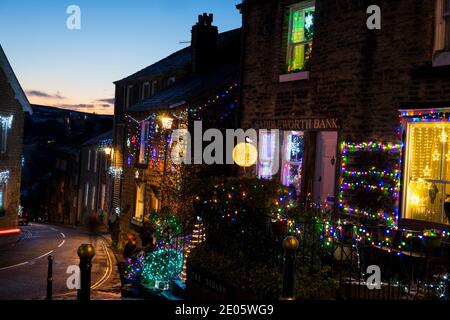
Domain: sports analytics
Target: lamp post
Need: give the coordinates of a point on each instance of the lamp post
(167, 126)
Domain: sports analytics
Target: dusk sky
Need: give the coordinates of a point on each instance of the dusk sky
(74, 69)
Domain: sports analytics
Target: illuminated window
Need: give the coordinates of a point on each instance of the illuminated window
(292, 159)
(140, 205)
(143, 154)
(300, 38)
(427, 176)
(267, 157)
(2, 195)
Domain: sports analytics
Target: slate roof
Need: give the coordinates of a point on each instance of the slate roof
(190, 88)
(13, 82)
(97, 139)
(182, 58)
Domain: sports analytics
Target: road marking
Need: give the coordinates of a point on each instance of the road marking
(16, 265)
(108, 271)
(63, 235)
(61, 244)
(51, 228)
(45, 254)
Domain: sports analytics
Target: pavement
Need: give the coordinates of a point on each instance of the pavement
(24, 263)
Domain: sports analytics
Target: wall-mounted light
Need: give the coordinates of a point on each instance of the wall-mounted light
(166, 123)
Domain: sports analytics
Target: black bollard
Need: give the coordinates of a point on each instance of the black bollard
(86, 252)
(50, 278)
(290, 245)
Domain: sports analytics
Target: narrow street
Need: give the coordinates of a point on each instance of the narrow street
(23, 265)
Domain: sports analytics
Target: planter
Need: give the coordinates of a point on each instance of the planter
(279, 228)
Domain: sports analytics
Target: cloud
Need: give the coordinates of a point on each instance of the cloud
(42, 94)
(109, 101)
(105, 105)
(77, 106)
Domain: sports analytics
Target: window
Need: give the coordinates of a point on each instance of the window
(442, 37)
(292, 159)
(140, 198)
(93, 196)
(103, 197)
(86, 195)
(129, 96)
(170, 81)
(268, 157)
(2, 195)
(446, 17)
(95, 160)
(89, 160)
(3, 137)
(154, 87)
(300, 38)
(144, 143)
(145, 90)
(427, 176)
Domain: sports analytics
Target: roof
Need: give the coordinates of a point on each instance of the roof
(190, 88)
(97, 139)
(182, 58)
(13, 82)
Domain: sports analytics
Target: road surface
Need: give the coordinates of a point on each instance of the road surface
(23, 265)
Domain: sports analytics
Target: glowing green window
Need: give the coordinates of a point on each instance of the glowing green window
(301, 34)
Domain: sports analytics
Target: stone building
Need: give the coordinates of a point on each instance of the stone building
(169, 95)
(13, 105)
(338, 91)
(94, 195)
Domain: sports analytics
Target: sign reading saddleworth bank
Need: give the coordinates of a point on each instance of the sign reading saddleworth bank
(300, 124)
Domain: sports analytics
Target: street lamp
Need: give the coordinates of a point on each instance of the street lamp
(107, 150)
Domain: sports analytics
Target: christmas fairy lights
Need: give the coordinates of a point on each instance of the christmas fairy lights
(366, 179)
(6, 121)
(4, 176)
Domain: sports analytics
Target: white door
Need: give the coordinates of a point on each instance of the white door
(325, 173)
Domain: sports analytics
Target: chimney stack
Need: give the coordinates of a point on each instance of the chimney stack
(204, 43)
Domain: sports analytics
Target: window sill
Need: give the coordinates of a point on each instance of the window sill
(441, 59)
(297, 76)
(136, 222)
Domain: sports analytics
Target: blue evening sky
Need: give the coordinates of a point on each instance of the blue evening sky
(76, 68)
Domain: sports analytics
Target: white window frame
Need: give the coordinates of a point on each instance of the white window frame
(103, 197)
(95, 160)
(89, 160)
(154, 87)
(296, 7)
(140, 202)
(145, 127)
(171, 81)
(86, 195)
(93, 198)
(442, 35)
